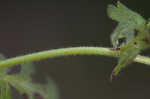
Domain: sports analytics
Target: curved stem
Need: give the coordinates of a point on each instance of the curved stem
(65, 52)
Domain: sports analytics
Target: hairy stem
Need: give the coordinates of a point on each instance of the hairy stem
(65, 52)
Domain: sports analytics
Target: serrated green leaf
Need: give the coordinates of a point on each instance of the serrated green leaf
(123, 15)
(129, 21)
(122, 31)
(126, 58)
(132, 31)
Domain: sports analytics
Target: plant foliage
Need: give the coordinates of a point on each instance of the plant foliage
(130, 35)
(23, 83)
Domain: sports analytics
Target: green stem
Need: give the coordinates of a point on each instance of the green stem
(65, 52)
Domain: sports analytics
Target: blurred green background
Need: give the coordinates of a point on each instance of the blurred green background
(28, 26)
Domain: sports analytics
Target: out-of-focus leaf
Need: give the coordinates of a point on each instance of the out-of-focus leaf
(27, 69)
(52, 90)
(5, 91)
(25, 86)
(22, 82)
(6, 69)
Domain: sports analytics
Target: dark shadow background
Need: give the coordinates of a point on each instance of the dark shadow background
(35, 25)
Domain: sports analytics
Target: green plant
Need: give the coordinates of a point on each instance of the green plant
(130, 37)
